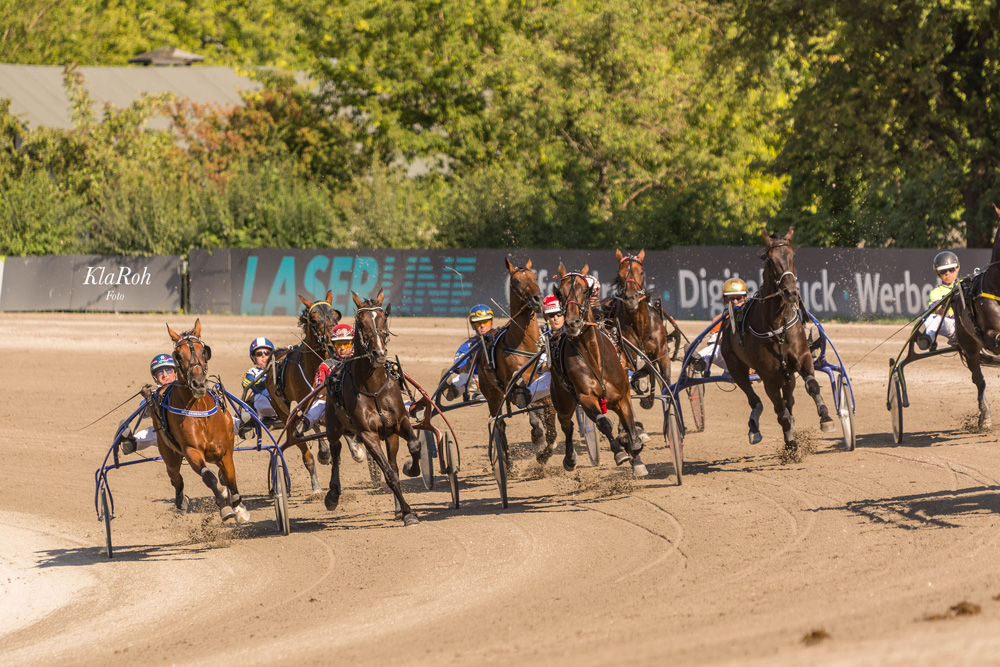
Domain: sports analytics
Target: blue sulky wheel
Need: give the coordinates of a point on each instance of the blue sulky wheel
(427, 458)
(896, 409)
(675, 439)
(453, 465)
(499, 461)
(106, 519)
(695, 393)
(280, 496)
(847, 418)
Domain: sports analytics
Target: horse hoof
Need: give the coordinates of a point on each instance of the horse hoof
(331, 501)
(621, 457)
(324, 457)
(543, 457)
(410, 519)
(569, 466)
(755, 437)
(827, 425)
(242, 515)
(646, 402)
(411, 468)
(639, 470)
(226, 512)
(537, 437)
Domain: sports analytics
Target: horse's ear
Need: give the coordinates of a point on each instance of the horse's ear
(388, 310)
(767, 237)
(338, 314)
(583, 271)
(619, 255)
(358, 303)
(174, 336)
(788, 234)
(641, 255)
(562, 269)
(527, 265)
(329, 296)
(379, 297)
(196, 331)
(305, 302)
(510, 267)
(555, 292)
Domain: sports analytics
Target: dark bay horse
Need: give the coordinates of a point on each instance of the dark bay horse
(977, 317)
(638, 323)
(515, 343)
(587, 370)
(193, 423)
(290, 374)
(770, 338)
(367, 402)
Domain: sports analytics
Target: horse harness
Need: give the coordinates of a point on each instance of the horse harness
(159, 405)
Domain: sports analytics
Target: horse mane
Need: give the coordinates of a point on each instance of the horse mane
(189, 332)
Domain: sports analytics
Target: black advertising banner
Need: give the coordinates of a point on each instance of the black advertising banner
(91, 283)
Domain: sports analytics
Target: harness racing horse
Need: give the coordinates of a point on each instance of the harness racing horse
(367, 402)
(192, 423)
(587, 370)
(638, 323)
(290, 374)
(507, 350)
(770, 337)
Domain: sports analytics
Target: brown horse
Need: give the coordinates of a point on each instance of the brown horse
(193, 424)
(638, 323)
(290, 374)
(770, 337)
(513, 344)
(587, 370)
(367, 402)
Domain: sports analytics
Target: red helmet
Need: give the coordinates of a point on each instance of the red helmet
(551, 305)
(342, 332)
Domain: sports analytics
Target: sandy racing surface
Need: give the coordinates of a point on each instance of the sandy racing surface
(868, 550)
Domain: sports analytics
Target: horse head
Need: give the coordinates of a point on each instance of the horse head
(779, 267)
(191, 356)
(371, 328)
(631, 280)
(574, 296)
(317, 321)
(524, 290)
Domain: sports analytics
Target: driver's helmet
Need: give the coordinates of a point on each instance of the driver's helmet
(260, 343)
(161, 361)
(480, 313)
(734, 287)
(551, 305)
(342, 333)
(593, 284)
(945, 260)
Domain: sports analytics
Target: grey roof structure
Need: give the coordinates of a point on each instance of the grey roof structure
(39, 99)
(166, 55)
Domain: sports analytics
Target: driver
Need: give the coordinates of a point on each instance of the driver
(164, 372)
(552, 329)
(734, 291)
(261, 350)
(946, 266)
(481, 318)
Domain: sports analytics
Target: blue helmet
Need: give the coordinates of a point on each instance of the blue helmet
(259, 343)
(480, 313)
(161, 361)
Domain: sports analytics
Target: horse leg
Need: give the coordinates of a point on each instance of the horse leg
(537, 431)
(634, 444)
(812, 388)
(740, 373)
(310, 464)
(985, 422)
(227, 471)
(412, 467)
(548, 421)
(390, 472)
(197, 462)
(332, 498)
(783, 414)
(173, 464)
(323, 455)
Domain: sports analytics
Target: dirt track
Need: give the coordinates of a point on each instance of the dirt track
(737, 565)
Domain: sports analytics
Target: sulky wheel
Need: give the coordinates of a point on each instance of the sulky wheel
(675, 439)
(106, 518)
(696, 393)
(280, 496)
(499, 460)
(452, 464)
(896, 410)
(847, 418)
(589, 432)
(427, 459)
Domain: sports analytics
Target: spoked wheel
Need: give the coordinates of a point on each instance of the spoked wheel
(847, 418)
(695, 393)
(675, 439)
(427, 459)
(106, 518)
(589, 432)
(499, 461)
(375, 472)
(452, 465)
(896, 410)
(280, 496)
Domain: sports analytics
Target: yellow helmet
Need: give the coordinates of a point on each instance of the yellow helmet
(734, 287)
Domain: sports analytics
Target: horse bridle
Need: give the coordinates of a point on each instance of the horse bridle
(766, 256)
(192, 355)
(525, 301)
(364, 341)
(572, 293)
(319, 329)
(641, 289)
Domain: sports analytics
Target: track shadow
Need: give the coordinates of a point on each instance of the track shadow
(914, 439)
(925, 510)
(82, 556)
